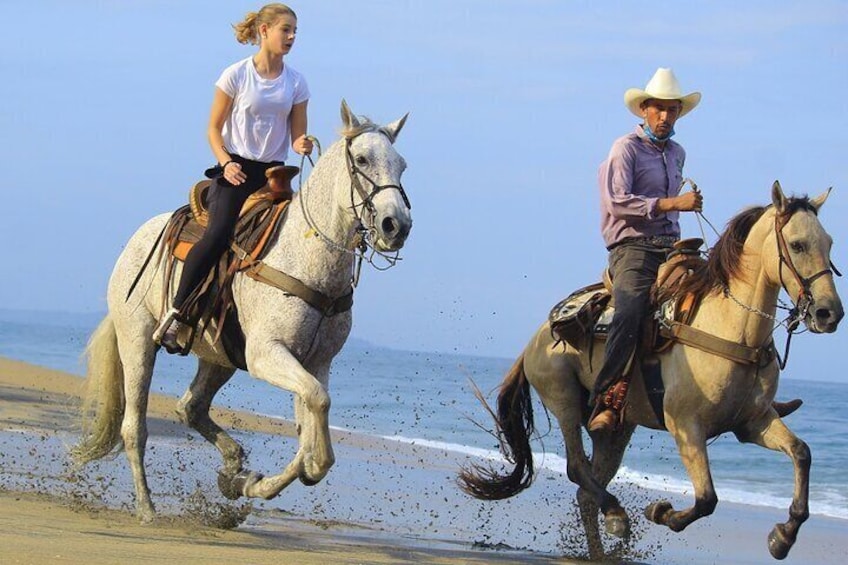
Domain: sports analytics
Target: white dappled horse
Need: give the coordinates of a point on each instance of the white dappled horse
(353, 192)
(763, 250)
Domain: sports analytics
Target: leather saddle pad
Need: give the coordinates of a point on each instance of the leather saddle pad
(588, 312)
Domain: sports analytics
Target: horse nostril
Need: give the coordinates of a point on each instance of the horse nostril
(823, 314)
(389, 225)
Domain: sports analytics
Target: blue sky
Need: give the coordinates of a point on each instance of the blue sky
(512, 107)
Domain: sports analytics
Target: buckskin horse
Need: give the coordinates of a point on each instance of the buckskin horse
(352, 203)
(763, 250)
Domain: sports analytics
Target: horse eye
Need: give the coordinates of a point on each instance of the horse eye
(798, 246)
(360, 160)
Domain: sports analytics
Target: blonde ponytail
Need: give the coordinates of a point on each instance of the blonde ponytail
(248, 30)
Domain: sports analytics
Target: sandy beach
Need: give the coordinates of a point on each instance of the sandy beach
(39, 526)
(383, 502)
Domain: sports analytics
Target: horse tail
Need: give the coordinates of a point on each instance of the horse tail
(514, 426)
(102, 408)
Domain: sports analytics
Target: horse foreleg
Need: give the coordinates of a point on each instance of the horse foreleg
(314, 458)
(193, 410)
(311, 432)
(773, 434)
(692, 446)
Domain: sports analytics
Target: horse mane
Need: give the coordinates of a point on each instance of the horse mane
(365, 126)
(723, 262)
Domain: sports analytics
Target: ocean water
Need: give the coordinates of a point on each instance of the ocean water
(426, 399)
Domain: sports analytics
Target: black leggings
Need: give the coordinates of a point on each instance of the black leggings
(224, 203)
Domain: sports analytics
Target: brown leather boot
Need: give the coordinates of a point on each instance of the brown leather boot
(605, 420)
(608, 411)
(167, 331)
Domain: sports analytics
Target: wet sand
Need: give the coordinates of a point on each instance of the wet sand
(383, 502)
(40, 526)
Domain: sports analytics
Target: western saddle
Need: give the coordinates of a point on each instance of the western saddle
(259, 219)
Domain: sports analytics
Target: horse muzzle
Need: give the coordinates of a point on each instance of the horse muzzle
(391, 232)
(824, 316)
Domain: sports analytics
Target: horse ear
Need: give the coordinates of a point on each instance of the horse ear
(819, 200)
(393, 129)
(349, 119)
(777, 197)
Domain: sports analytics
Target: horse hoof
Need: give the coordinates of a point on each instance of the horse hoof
(233, 486)
(307, 481)
(657, 512)
(778, 544)
(617, 524)
(225, 485)
(146, 516)
(314, 474)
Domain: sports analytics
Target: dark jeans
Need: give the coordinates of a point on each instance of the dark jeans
(633, 267)
(224, 203)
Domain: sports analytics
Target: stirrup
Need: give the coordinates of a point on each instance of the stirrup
(169, 318)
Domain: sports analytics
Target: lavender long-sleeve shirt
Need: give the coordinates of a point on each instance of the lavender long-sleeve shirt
(632, 179)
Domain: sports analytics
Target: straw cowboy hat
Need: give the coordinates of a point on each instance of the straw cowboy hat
(662, 86)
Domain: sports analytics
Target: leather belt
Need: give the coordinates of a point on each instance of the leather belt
(653, 240)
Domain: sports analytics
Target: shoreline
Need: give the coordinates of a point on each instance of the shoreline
(384, 502)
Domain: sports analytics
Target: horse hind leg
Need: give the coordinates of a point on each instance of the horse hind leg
(138, 356)
(592, 496)
(772, 433)
(193, 410)
(592, 478)
(588, 509)
(607, 454)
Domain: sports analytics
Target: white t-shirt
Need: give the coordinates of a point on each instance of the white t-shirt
(258, 126)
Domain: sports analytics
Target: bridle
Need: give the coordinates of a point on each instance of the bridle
(366, 230)
(804, 299)
(367, 197)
